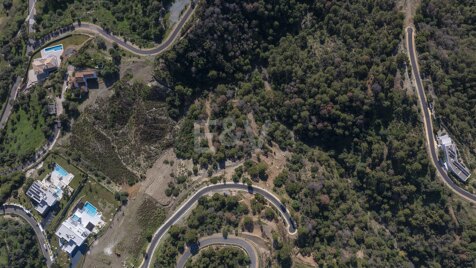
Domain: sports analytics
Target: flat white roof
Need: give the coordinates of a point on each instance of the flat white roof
(445, 140)
(74, 230)
(44, 195)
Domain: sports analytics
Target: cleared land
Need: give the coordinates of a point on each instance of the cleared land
(25, 131)
(127, 237)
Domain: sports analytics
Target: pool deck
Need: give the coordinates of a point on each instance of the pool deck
(56, 50)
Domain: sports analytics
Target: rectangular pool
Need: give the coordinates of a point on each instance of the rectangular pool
(61, 171)
(75, 218)
(54, 48)
(90, 209)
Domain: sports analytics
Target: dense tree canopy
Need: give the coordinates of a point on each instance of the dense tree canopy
(19, 246)
(141, 22)
(446, 44)
(359, 178)
(229, 257)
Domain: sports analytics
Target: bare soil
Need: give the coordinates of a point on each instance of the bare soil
(95, 94)
(209, 135)
(276, 161)
(158, 176)
(307, 260)
(121, 239)
(408, 7)
(141, 69)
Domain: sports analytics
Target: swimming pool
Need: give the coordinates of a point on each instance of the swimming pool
(90, 209)
(75, 218)
(54, 48)
(61, 171)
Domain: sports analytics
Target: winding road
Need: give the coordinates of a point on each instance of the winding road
(219, 240)
(430, 136)
(274, 200)
(17, 87)
(89, 27)
(171, 38)
(95, 29)
(19, 211)
(182, 211)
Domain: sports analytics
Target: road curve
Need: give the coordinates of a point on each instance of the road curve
(430, 137)
(219, 240)
(171, 38)
(188, 204)
(19, 211)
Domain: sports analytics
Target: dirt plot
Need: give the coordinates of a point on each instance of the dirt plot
(126, 238)
(408, 7)
(158, 176)
(140, 69)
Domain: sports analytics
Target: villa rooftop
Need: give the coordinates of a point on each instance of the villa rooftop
(75, 230)
(452, 162)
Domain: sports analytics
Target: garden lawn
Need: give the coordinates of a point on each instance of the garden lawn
(24, 130)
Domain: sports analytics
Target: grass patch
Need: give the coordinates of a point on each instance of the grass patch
(149, 216)
(24, 129)
(27, 128)
(67, 42)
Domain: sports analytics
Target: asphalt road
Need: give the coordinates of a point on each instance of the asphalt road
(234, 241)
(98, 30)
(14, 90)
(430, 137)
(9, 104)
(131, 48)
(180, 212)
(9, 209)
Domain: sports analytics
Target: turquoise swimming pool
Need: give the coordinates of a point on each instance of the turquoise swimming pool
(75, 218)
(61, 171)
(90, 209)
(54, 48)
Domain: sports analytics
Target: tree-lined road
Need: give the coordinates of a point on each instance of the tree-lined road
(171, 38)
(217, 241)
(189, 203)
(95, 29)
(19, 211)
(429, 135)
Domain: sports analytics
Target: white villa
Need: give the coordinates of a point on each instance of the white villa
(48, 192)
(75, 230)
(49, 62)
(452, 161)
